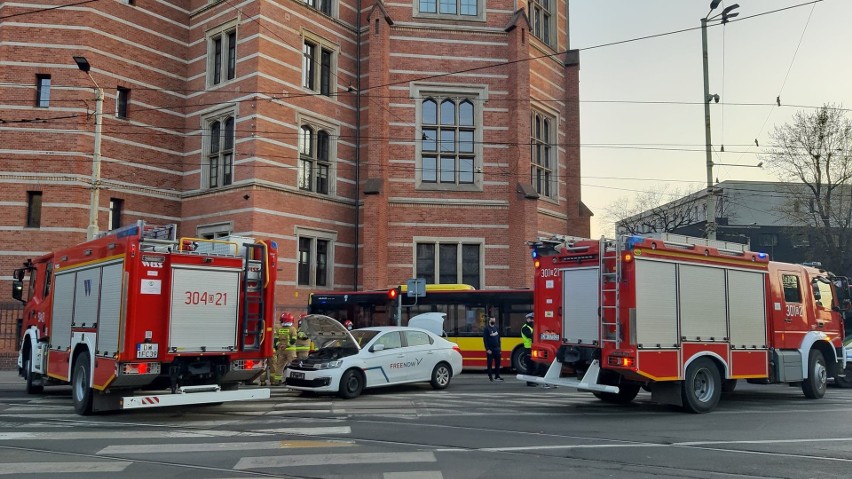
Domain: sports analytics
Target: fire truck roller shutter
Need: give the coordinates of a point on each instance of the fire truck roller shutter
(747, 306)
(112, 292)
(204, 306)
(87, 296)
(580, 303)
(656, 304)
(703, 312)
(63, 310)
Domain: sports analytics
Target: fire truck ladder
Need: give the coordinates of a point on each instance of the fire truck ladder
(254, 309)
(608, 299)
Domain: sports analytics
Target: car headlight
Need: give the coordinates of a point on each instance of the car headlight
(329, 365)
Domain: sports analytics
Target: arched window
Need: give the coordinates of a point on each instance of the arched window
(314, 160)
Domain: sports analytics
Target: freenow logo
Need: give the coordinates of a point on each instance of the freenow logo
(87, 287)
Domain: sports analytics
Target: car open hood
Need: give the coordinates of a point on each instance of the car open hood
(432, 322)
(322, 329)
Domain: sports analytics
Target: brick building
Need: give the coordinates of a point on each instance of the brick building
(427, 139)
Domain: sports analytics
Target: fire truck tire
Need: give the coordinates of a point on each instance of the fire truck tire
(441, 376)
(845, 381)
(30, 376)
(81, 393)
(814, 385)
(702, 386)
(519, 360)
(626, 393)
(351, 384)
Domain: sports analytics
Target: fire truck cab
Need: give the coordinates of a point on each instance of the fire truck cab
(682, 317)
(136, 309)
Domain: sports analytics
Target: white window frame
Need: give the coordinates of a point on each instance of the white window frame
(222, 31)
(320, 44)
(206, 123)
(552, 147)
(313, 235)
(315, 4)
(480, 15)
(537, 28)
(458, 241)
(214, 230)
(333, 133)
(478, 95)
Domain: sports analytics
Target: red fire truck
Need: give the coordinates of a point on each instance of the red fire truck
(682, 317)
(138, 309)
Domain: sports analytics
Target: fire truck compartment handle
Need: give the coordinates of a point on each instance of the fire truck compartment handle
(789, 320)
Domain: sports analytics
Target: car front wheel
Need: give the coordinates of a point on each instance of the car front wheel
(351, 384)
(441, 376)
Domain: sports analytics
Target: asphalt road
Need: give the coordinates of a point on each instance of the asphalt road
(474, 429)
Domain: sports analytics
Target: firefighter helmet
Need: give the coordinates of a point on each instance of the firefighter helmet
(348, 324)
(286, 319)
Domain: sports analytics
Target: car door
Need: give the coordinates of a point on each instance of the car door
(385, 362)
(421, 355)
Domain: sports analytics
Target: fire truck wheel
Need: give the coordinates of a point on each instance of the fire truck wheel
(441, 376)
(625, 394)
(814, 385)
(845, 381)
(80, 390)
(32, 387)
(351, 384)
(520, 360)
(702, 386)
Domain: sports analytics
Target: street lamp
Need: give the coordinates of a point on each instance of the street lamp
(725, 16)
(92, 229)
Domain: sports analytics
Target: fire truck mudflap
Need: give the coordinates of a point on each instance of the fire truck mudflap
(193, 395)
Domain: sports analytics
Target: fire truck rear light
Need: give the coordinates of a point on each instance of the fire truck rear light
(623, 362)
(537, 264)
(141, 368)
(247, 364)
(628, 258)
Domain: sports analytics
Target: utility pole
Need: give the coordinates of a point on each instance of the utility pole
(710, 213)
(95, 196)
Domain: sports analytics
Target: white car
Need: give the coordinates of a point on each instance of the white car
(346, 362)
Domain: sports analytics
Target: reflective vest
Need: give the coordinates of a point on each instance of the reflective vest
(303, 343)
(527, 335)
(283, 336)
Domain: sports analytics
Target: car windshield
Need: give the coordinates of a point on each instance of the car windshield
(363, 336)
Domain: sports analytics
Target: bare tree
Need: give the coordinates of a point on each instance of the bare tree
(658, 210)
(813, 155)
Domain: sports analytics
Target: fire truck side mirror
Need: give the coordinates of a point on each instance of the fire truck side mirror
(18, 290)
(18, 274)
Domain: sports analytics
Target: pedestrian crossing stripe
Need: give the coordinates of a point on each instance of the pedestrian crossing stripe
(222, 446)
(265, 462)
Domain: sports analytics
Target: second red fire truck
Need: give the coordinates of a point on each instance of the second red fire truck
(137, 309)
(683, 317)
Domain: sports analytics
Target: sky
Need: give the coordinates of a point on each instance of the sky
(641, 110)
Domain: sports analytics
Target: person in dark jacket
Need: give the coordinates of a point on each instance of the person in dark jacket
(491, 337)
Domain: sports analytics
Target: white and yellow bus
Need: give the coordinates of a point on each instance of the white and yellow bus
(467, 311)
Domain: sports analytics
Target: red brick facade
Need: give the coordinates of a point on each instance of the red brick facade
(381, 199)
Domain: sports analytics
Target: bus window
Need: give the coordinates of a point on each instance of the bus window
(474, 321)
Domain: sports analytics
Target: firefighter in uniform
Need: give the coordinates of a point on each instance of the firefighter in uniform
(283, 338)
(303, 343)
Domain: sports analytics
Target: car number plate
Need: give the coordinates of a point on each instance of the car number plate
(146, 350)
(295, 375)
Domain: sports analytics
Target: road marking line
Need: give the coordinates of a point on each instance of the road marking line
(325, 459)
(414, 475)
(69, 435)
(220, 446)
(61, 467)
(310, 431)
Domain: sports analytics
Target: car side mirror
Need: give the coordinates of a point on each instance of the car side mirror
(378, 347)
(18, 290)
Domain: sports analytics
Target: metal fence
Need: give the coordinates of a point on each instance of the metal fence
(10, 326)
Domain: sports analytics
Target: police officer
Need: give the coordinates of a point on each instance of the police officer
(303, 343)
(527, 337)
(283, 338)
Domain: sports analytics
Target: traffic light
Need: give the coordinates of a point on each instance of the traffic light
(393, 293)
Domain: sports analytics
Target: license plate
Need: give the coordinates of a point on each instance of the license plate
(296, 375)
(147, 350)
